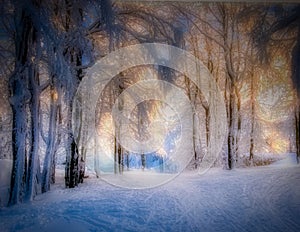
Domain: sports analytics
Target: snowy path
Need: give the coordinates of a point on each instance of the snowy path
(254, 199)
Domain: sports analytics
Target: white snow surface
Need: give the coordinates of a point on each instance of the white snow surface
(246, 199)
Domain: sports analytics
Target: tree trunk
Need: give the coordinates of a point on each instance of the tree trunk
(116, 157)
(73, 56)
(23, 181)
(72, 156)
(58, 140)
(297, 132)
(194, 142)
(118, 152)
(234, 127)
(230, 135)
(33, 165)
(238, 125)
(296, 82)
(143, 161)
(120, 158)
(18, 140)
(72, 168)
(51, 141)
(252, 102)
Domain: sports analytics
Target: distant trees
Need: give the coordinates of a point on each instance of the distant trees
(220, 25)
(230, 28)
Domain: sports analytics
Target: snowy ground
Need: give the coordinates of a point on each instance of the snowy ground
(250, 199)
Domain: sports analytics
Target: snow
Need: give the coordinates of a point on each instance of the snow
(247, 199)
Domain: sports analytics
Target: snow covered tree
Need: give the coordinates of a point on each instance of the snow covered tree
(284, 19)
(219, 23)
(25, 90)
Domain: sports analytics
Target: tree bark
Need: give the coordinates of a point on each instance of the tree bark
(19, 131)
(252, 102)
(296, 82)
(33, 164)
(24, 101)
(49, 161)
(297, 132)
(73, 56)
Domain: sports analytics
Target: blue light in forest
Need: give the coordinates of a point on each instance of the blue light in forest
(155, 161)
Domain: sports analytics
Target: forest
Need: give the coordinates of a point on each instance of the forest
(113, 87)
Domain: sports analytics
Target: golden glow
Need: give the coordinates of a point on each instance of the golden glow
(274, 100)
(106, 134)
(54, 95)
(277, 143)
